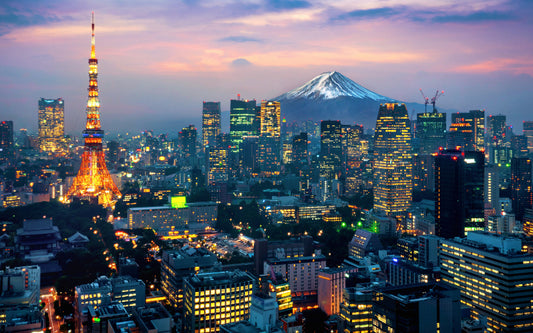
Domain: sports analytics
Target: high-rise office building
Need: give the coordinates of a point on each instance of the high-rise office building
(331, 284)
(496, 127)
(300, 154)
(430, 131)
(423, 173)
(519, 146)
(248, 156)
(214, 299)
(392, 178)
(467, 131)
(6, 139)
(352, 157)
(211, 124)
(528, 133)
(460, 134)
(270, 119)
(178, 264)
(521, 186)
(217, 164)
(459, 183)
(242, 122)
(51, 125)
(270, 138)
(187, 144)
(494, 277)
(330, 148)
(478, 117)
(93, 181)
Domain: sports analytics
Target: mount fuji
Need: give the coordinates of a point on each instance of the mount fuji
(333, 96)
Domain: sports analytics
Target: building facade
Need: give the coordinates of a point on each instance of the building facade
(175, 265)
(494, 278)
(270, 138)
(243, 122)
(211, 125)
(430, 132)
(330, 148)
(51, 125)
(392, 174)
(168, 221)
(214, 299)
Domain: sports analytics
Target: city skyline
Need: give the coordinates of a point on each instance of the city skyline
(162, 60)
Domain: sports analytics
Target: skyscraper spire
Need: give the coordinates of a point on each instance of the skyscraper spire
(93, 181)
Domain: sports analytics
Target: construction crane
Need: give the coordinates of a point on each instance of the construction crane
(434, 99)
(426, 101)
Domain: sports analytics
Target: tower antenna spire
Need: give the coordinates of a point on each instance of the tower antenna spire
(93, 55)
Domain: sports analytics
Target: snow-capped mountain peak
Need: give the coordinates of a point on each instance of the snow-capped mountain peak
(330, 85)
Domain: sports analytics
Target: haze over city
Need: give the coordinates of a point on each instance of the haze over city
(159, 61)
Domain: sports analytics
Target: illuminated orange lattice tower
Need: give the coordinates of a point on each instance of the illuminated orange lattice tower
(93, 181)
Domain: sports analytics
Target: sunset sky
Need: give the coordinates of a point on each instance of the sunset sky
(158, 60)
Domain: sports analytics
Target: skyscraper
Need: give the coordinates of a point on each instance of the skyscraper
(330, 147)
(521, 185)
(478, 117)
(392, 178)
(467, 130)
(519, 146)
(6, 139)
(459, 184)
(217, 164)
(93, 181)
(211, 125)
(270, 138)
(528, 132)
(51, 125)
(243, 121)
(187, 143)
(300, 154)
(496, 128)
(430, 131)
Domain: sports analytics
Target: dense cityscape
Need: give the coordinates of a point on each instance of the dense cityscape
(418, 222)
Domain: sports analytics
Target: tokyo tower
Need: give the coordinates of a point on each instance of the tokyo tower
(93, 181)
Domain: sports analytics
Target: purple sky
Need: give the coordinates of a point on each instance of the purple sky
(160, 59)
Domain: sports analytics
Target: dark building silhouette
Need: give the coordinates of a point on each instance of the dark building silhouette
(330, 147)
(300, 153)
(187, 144)
(6, 139)
(248, 156)
(528, 133)
(521, 185)
(263, 250)
(496, 126)
(418, 308)
(459, 184)
(519, 146)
